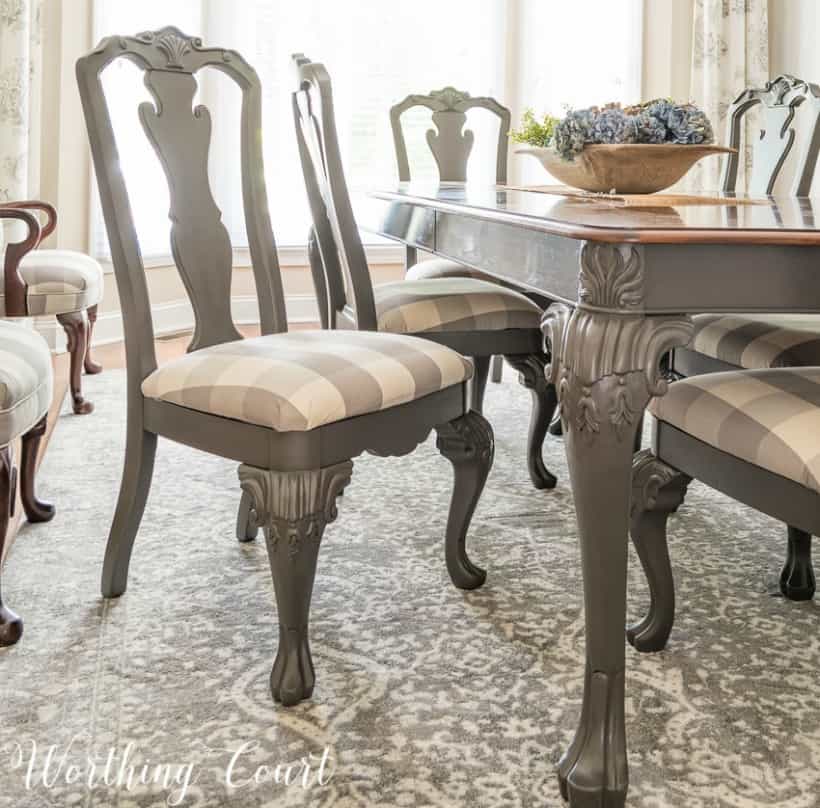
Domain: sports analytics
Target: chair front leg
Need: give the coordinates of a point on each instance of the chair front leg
(76, 329)
(467, 442)
(35, 509)
(294, 507)
(530, 368)
(658, 490)
(91, 367)
(11, 626)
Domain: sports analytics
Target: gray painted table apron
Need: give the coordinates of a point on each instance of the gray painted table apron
(625, 281)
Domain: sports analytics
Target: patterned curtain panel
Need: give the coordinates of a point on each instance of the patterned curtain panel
(20, 35)
(730, 52)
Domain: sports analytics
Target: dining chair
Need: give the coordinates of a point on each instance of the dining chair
(728, 341)
(25, 395)
(753, 435)
(474, 317)
(293, 408)
(64, 283)
(452, 146)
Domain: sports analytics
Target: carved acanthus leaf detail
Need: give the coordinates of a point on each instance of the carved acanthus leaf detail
(621, 415)
(611, 276)
(449, 97)
(650, 476)
(294, 506)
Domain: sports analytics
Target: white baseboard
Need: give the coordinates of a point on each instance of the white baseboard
(176, 316)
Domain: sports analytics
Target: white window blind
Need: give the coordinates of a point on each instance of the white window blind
(522, 52)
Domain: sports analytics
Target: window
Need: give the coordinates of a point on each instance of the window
(541, 53)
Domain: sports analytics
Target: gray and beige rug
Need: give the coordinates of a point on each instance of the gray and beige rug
(426, 696)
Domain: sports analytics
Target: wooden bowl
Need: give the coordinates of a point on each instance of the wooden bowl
(623, 168)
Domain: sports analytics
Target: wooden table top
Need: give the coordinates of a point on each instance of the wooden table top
(773, 220)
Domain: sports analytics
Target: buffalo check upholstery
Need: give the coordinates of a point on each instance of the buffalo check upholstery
(451, 304)
(59, 282)
(25, 380)
(302, 380)
(769, 418)
(442, 268)
(761, 341)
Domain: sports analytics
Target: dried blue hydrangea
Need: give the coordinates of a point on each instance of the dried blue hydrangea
(657, 121)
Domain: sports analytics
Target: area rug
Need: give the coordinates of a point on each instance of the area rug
(426, 695)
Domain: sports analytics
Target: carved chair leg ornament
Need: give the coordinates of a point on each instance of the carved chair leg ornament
(294, 507)
(532, 375)
(468, 444)
(658, 490)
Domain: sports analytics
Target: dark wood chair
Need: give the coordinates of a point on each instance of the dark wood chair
(476, 318)
(25, 396)
(727, 341)
(64, 283)
(452, 146)
(294, 408)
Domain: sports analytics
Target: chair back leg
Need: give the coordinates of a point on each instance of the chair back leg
(797, 578)
(91, 367)
(75, 325)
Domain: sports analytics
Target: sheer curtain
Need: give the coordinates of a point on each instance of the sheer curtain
(541, 53)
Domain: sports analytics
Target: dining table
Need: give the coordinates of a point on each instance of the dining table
(625, 276)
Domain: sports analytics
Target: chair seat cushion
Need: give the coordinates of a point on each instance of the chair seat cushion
(302, 380)
(25, 380)
(769, 418)
(443, 268)
(759, 341)
(451, 304)
(59, 282)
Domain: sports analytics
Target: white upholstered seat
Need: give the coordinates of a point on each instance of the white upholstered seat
(25, 380)
(451, 304)
(59, 282)
(302, 380)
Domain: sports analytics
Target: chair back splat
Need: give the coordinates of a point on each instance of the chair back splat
(180, 135)
(339, 254)
(449, 142)
(780, 100)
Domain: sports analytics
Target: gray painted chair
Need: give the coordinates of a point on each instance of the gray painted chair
(727, 342)
(476, 318)
(294, 408)
(451, 146)
(763, 452)
(25, 396)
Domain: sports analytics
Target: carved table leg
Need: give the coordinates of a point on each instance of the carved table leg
(605, 358)
(11, 626)
(294, 507)
(797, 578)
(36, 510)
(657, 491)
(468, 444)
(247, 527)
(544, 401)
(76, 329)
(91, 367)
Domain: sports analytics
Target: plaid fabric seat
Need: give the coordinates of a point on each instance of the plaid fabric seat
(769, 418)
(451, 304)
(298, 381)
(25, 380)
(442, 268)
(761, 341)
(59, 282)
